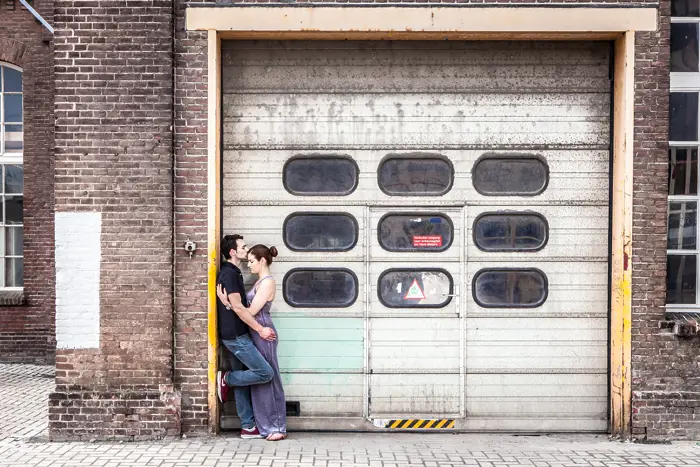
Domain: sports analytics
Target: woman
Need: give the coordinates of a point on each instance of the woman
(268, 399)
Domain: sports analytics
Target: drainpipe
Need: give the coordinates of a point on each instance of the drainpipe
(36, 15)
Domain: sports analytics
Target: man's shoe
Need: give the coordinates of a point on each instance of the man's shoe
(221, 386)
(250, 433)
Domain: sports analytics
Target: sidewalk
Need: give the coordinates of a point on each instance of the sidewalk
(25, 389)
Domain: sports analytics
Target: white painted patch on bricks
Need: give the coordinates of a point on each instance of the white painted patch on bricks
(78, 280)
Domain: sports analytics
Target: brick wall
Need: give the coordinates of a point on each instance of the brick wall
(27, 331)
(114, 103)
(665, 368)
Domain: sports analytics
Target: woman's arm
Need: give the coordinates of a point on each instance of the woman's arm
(266, 290)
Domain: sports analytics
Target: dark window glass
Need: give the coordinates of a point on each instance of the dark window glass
(424, 175)
(510, 232)
(13, 80)
(510, 288)
(13, 108)
(415, 232)
(683, 171)
(685, 8)
(684, 116)
(681, 272)
(682, 225)
(14, 179)
(495, 175)
(320, 232)
(415, 288)
(320, 288)
(684, 47)
(13, 209)
(315, 176)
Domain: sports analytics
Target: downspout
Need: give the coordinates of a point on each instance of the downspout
(173, 300)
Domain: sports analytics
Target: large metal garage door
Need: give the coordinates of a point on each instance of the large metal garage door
(441, 211)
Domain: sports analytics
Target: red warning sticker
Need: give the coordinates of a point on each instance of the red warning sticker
(414, 292)
(427, 241)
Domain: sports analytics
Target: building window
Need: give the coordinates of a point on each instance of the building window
(682, 244)
(510, 288)
(12, 174)
(418, 231)
(415, 288)
(320, 176)
(415, 175)
(320, 231)
(510, 231)
(320, 288)
(510, 175)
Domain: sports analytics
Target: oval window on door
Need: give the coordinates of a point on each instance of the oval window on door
(510, 288)
(320, 231)
(320, 175)
(415, 232)
(415, 175)
(415, 288)
(510, 175)
(510, 231)
(320, 288)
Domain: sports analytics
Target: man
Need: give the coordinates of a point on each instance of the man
(234, 326)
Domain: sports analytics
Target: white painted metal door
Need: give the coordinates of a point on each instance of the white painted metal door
(474, 176)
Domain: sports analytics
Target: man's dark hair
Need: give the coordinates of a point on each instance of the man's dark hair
(228, 243)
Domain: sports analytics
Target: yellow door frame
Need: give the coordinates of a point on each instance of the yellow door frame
(550, 22)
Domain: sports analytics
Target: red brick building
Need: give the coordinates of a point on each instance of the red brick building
(556, 285)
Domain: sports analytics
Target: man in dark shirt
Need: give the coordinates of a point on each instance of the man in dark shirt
(234, 327)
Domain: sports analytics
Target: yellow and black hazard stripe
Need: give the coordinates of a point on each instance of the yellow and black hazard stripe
(441, 423)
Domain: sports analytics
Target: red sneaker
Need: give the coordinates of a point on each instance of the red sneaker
(250, 433)
(221, 386)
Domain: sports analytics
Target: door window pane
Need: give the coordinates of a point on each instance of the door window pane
(681, 287)
(510, 288)
(683, 171)
(320, 288)
(684, 116)
(413, 176)
(685, 8)
(415, 288)
(320, 232)
(316, 176)
(510, 232)
(684, 47)
(495, 175)
(415, 232)
(682, 225)
(12, 80)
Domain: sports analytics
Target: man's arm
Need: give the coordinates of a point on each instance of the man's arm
(245, 315)
(235, 300)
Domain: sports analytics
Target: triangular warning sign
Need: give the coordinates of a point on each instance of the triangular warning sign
(414, 292)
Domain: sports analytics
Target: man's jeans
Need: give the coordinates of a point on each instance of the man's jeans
(258, 372)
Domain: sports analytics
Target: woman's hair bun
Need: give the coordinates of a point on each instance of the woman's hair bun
(274, 252)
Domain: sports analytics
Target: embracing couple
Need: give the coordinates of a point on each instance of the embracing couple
(246, 329)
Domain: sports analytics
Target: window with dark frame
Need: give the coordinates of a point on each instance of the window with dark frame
(320, 288)
(415, 288)
(12, 177)
(320, 231)
(510, 288)
(682, 244)
(420, 231)
(510, 175)
(510, 231)
(415, 175)
(320, 175)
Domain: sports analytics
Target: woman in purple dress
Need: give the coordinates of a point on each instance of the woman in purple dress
(269, 405)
